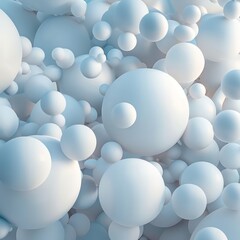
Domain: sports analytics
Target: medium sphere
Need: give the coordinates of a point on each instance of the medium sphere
(210, 233)
(230, 156)
(231, 196)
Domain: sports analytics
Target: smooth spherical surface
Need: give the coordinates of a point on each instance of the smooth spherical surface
(206, 176)
(198, 134)
(158, 126)
(9, 122)
(230, 156)
(189, 201)
(102, 31)
(81, 223)
(231, 84)
(25, 163)
(190, 55)
(53, 103)
(210, 233)
(231, 10)
(78, 142)
(197, 90)
(140, 184)
(191, 14)
(154, 26)
(231, 196)
(227, 126)
(127, 41)
(111, 152)
(90, 68)
(54, 231)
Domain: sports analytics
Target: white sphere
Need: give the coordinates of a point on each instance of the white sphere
(184, 33)
(102, 31)
(231, 10)
(50, 129)
(190, 55)
(231, 84)
(78, 142)
(176, 168)
(156, 120)
(118, 232)
(11, 49)
(81, 223)
(191, 14)
(231, 196)
(127, 41)
(154, 26)
(197, 90)
(26, 163)
(227, 126)
(206, 176)
(140, 184)
(230, 176)
(198, 134)
(210, 233)
(189, 201)
(53, 103)
(111, 152)
(9, 122)
(90, 67)
(230, 156)
(54, 231)
(70, 233)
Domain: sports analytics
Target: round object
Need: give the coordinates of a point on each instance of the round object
(197, 90)
(153, 26)
(78, 142)
(190, 55)
(11, 49)
(102, 31)
(53, 103)
(227, 126)
(140, 184)
(184, 33)
(231, 196)
(206, 176)
(155, 129)
(230, 156)
(50, 129)
(176, 168)
(26, 165)
(210, 233)
(189, 201)
(127, 41)
(231, 10)
(198, 134)
(191, 14)
(81, 223)
(70, 233)
(111, 152)
(231, 84)
(9, 122)
(91, 68)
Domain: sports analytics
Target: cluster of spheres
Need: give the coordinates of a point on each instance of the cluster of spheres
(119, 120)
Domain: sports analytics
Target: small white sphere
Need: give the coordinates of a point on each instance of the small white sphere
(50, 129)
(59, 119)
(26, 46)
(210, 233)
(176, 168)
(123, 115)
(78, 142)
(189, 201)
(230, 176)
(102, 31)
(154, 26)
(191, 14)
(231, 84)
(9, 122)
(230, 156)
(70, 232)
(95, 51)
(111, 152)
(205, 175)
(231, 10)
(81, 223)
(53, 103)
(231, 196)
(53, 72)
(26, 163)
(197, 90)
(78, 8)
(198, 134)
(118, 232)
(184, 33)
(90, 67)
(227, 126)
(127, 41)
(12, 89)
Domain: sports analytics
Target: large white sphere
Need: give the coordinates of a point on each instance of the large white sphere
(11, 51)
(131, 192)
(159, 123)
(210, 233)
(206, 176)
(230, 156)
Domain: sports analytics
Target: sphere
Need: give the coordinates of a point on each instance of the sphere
(227, 126)
(54, 231)
(62, 32)
(206, 176)
(11, 49)
(210, 233)
(9, 122)
(231, 84)
(184, 33)
(140, 184)
(53, 103)
(191, 14)
(198, 134)
(230, 156)
(78, 142)
(176, 168)
(26, 163)
(81, 223)
(155, 121)
(118, 232)
(102, 31)
(230, 176)
(231, 196)
(197, 90)
(127, 41)
(153, 26)
(231, 10)
(91, 68)
(27, 210)
(51, 130)
(111, 152)
(190, 55)
(226, 35)
(189, 201)
(70, 233)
